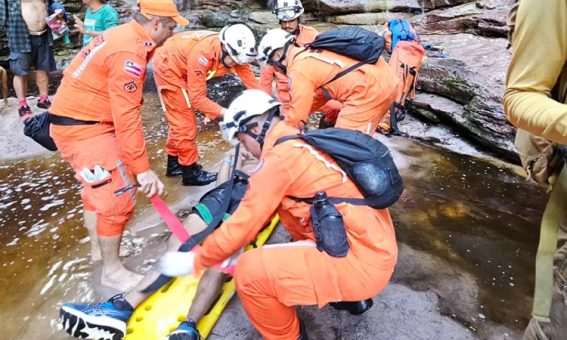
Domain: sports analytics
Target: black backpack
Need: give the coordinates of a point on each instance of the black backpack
(366, 161)
(353, 42)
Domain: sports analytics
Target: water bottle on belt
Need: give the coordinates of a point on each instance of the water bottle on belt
(328, 227)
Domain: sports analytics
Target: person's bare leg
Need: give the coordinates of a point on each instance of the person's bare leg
(114, 274)
(42, 82)
(208, 290)
(21, 86)
(194, 224)
(90, 224)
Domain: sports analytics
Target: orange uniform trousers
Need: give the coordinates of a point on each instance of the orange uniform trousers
(272, 280)
(182, 122)
(113, 213)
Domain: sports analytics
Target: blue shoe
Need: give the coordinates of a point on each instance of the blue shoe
(101, 321)
(187, 330)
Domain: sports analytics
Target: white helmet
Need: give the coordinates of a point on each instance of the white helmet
(250, 103)
(240, 43)
(287, 10)
(272, 41)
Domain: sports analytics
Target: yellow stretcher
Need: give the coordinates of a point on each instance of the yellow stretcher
(162, 312)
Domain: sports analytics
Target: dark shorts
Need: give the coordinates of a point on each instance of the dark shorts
(41, 57)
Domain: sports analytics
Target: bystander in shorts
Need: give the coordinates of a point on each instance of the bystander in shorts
(41, 57)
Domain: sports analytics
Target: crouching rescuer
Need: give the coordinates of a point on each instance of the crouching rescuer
(343, 251)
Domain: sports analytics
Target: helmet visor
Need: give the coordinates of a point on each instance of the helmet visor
(286, 14)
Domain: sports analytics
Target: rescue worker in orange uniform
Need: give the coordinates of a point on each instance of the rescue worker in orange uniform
(181, 69)
(366, 92)
(272, 280)
(96, 124)
(289, 14)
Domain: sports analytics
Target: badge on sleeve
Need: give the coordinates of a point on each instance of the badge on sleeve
(133, 68)
(130, 87)
(203, 61)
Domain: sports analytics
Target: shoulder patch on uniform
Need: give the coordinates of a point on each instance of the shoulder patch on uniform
(133, 68)
(203, 61)
(130, 87)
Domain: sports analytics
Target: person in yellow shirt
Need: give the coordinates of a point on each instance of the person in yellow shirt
(535, 101)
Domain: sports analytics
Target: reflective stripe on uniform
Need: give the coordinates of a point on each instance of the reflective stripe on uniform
(120, 166)
(302, 243)
(87, 60)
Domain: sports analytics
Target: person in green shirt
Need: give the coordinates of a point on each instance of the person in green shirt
(99, 17)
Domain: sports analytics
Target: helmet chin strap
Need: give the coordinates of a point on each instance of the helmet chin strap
(224, 54)
(261, 137)
(279, 63)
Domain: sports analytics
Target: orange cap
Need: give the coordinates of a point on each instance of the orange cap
(162, 8)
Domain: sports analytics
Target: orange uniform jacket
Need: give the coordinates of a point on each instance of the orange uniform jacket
(188, 59)
(367, 87)
(290, 169)
(104, 83)
(306, 35)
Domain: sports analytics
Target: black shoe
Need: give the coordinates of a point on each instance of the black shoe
(354, 307)
(302, 332)
(323, 124)
(24, 111)
(195, 175)
(44, 104)
(173, 167)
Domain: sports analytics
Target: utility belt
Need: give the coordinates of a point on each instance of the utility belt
(37, 127)
(68, 121)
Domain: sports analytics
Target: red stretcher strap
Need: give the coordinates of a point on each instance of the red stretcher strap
(178, 230)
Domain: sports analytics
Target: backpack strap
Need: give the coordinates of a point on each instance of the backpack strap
(333, 200)
(337, 76)
(300, 52)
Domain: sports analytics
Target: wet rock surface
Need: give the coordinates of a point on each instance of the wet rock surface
(432, 4)
(464, 88)
(334, 7)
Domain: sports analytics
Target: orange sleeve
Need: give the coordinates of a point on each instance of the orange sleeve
(197, 68)
(266, 79)
(247, 76)
(301, 89)
(261, 200)
(126, 74)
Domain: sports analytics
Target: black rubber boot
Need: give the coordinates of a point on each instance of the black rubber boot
(195, 175)
(354, 307)
(173, 167)
(302, 332)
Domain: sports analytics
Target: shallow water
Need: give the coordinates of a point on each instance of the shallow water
(480, 217)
